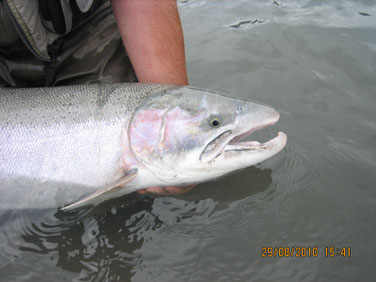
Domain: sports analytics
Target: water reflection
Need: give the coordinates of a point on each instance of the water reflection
(123, 237)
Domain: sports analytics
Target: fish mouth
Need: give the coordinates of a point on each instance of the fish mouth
(228, 142)
(235, 144)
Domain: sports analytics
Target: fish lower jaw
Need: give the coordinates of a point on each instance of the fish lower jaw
(278, 141)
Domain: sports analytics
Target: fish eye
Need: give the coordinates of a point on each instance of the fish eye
(214, 122)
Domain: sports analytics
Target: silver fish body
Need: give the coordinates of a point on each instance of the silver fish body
(60, 144)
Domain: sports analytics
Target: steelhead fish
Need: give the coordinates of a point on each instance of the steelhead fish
(72, 146)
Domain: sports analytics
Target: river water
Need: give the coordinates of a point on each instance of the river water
(315, 61)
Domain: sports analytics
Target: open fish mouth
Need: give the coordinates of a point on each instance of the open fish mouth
(227, 142)
(235, 144)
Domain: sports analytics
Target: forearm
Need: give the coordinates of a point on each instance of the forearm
(152, 35)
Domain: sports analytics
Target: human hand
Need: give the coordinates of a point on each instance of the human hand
(167, 190)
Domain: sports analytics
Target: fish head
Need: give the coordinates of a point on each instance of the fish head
(186, 135)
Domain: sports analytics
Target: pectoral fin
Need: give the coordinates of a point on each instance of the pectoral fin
(104, 194)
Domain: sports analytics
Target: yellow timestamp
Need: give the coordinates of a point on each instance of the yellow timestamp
(301, 252)
(337, 252)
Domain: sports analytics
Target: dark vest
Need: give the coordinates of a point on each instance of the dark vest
(40, 31)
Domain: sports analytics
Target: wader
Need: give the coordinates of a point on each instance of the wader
(79, 43)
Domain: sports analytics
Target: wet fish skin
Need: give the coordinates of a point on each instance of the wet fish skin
(87, 143)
